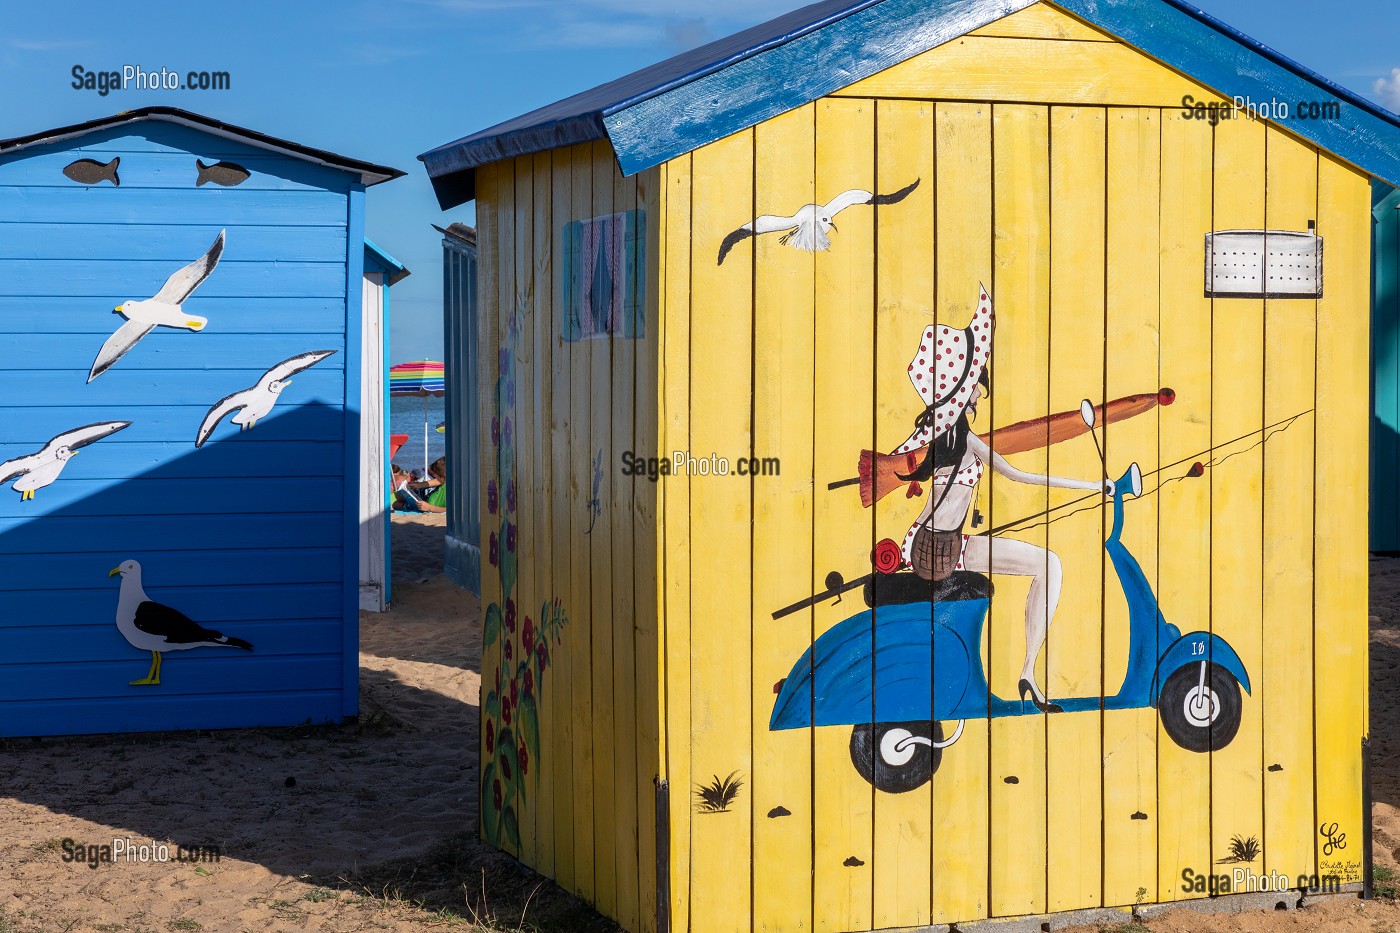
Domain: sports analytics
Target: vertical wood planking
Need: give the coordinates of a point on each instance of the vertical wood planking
(904, 290)
(539, 366)
(1131, 363)
(1385, 374)
(842, 801)
(488, 258)
(1237, 389)
(1183, 535)
(560, 693)
(582, 630)
(674, 351)
(1340, 562)
(782, 542)
(963, 158)
(1021, 294)
(721, 655)
(625, 742)
(1073, 652)
(1286, 678)
(600, 354)
(647, 554)
(520, 317)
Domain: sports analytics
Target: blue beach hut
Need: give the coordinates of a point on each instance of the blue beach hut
(181, 303)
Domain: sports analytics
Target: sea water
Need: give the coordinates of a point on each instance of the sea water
(406, 417)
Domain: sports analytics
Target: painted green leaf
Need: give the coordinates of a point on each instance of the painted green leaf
(493, 705)
(530, 729)
(512, 827)
(507, 568)
(492, 626)
(490, 816)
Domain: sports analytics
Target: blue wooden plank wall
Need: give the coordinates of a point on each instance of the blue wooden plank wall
(1385, 372)
(247, 534)
(460, 346)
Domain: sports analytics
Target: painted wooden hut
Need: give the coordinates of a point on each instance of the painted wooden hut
(827, 365)
(463, 410)
(381, 272)
(184, 470)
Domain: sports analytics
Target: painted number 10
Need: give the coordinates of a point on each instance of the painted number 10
(1198, 648)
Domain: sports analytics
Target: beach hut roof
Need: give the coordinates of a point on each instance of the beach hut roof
(394, 271)
(370, 174)
(695, 98)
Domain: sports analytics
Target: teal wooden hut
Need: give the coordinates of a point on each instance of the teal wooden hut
(1385, 371)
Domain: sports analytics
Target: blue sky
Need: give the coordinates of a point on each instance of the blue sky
(386, 80)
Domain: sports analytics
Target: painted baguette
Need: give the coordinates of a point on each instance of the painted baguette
(879, 473)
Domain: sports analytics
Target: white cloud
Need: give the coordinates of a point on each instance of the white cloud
(48, 45)
(1387, 90)
(620, 23)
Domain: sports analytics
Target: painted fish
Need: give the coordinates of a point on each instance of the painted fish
(88, 172)
(227, 174)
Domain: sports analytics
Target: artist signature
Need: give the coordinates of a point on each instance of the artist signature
(1334, 839)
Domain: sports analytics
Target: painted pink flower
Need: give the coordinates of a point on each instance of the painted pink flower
(524, 759)
(505, 710)
(541, 649)
(490, 737)
(495, 430)
(510, 495)
(498, 678)
(491, 501)
(509, 650)
(510, 539)
(527, 635)
(529, 681)
(510, 615)
(495, 554)
(510, 392)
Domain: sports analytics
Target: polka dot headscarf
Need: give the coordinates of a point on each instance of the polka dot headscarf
(945, 370)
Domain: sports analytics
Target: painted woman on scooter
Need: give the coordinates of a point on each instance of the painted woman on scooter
(949, 372)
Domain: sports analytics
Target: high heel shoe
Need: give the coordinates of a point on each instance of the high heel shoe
(1045, 707)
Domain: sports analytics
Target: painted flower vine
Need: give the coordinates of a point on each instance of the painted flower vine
(510, 709)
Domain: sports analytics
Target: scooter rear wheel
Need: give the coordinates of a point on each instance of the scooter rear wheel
(884, 755)
(1201, 717)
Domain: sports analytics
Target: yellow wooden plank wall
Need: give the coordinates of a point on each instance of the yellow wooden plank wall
(583, 729)
(1083, 207)
(1087, 223)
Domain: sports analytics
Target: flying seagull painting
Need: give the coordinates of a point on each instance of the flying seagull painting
(37, 470)
(163, 310)
(151, 626)
(808, 228)
(250, 404)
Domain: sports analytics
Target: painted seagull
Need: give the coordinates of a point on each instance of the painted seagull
(256, 401)
(37, 470)
(163, 310)
(150, 626)
(807, 229)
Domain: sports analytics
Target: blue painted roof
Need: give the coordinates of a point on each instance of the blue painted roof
(690, 100)
(383, 262)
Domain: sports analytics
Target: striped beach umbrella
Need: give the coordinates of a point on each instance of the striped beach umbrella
(422, 378)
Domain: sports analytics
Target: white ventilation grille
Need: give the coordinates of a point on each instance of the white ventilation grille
(1263, 264)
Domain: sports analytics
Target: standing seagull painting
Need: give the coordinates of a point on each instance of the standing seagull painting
(807, 229)
(162, 310)
(37, 470)
(254, 402)
(151, 626)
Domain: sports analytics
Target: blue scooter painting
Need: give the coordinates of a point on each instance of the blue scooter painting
(913, 660)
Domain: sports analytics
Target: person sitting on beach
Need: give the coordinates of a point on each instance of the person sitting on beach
(406, 498)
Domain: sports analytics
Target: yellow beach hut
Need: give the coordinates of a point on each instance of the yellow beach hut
(924, 471)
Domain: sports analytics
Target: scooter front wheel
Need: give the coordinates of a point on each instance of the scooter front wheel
(1201, 706)
(897, 757)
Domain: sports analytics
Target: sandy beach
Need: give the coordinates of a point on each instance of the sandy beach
(371, 825)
